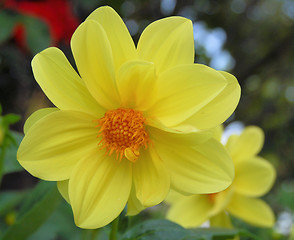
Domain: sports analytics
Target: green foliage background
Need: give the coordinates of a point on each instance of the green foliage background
(257, 37)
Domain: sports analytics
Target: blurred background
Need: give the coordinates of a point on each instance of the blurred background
(252, 39)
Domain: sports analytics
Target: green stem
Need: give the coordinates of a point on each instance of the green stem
(84, 235)
(130, 221)
(2, 155)
(94, 234)
(114, 227)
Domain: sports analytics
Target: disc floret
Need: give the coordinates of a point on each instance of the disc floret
(123, 131)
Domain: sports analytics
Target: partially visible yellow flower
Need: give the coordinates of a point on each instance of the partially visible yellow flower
(254, 177)
(132, 123)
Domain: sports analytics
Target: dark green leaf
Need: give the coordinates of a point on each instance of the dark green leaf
(8, 201)
(37, 208)
(38, 37)
(285, 195)
(60, 225)
(41, 189)
(215, 233)
(248, 234)
(7, 24)
(10, 162)
(166, 230)
(157, 229)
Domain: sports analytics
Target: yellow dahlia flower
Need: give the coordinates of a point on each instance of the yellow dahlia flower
(132, 123)
(254, 177)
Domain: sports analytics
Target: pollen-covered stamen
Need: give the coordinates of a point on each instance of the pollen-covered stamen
(122, 131)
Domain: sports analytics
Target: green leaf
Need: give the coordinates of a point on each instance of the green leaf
(11, 118)
(285, 195)
(38, 37)
(10, 162)
(60, 225)
(9, 200)
(8, 22)
(39, 205)
(35, 196)
(157, 229)
(245, 233)
(215, 233)
(166, 230)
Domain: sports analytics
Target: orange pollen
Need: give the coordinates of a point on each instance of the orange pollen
(122, 131)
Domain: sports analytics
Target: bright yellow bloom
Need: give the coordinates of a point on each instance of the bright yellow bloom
(254, 177)
(132, 123)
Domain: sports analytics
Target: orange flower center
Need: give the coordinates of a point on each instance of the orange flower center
(122, 131)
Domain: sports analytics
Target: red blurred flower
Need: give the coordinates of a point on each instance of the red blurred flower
(57, 14)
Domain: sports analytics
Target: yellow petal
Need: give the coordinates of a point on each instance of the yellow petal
(254, 177)
(136, 85)
(247, 145)
(221, 200)
(190, 211)
(167, 42)
(231, 141)
(220, 108)
(178, 138)
(221, 220)
(252, 210)
(134, 205)
(180, 128)
(151, 178)
(205, 168)
(173, 196)
(55, 143)
(36, 116)
(99, 189)
(217, 132)
(93, 56)
(184, 90)
(62, 187)
(122, 45)
(61, 83)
